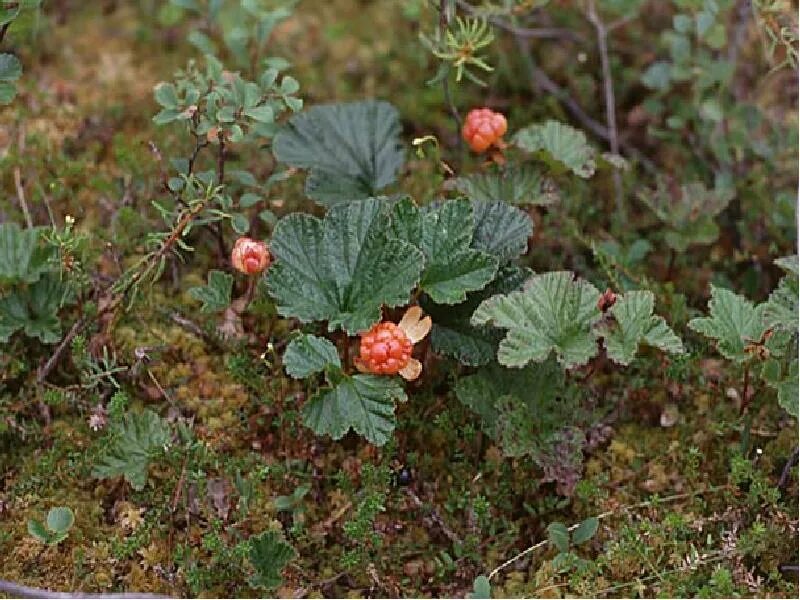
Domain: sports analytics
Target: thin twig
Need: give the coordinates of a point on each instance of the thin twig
(448, 98)
(611, 110)
(76, 328)
(21, 197)
(525, 32)
(435, 516)
(787, 469)
(16, 590)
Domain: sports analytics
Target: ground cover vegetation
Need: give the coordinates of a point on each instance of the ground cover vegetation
(399, 298)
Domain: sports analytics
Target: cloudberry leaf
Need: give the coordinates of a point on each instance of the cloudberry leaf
(517, 184)
(733, 321)
(634, 324)
(553, 313)
(501, 230)
(216, 296)
(134, 443)
(688, 210)
(34, 309)
(558, 534)
(363, 403)
(452, 333)
(562, 143)
(23, 259)
(269, 554)
(585, 531)
(10, 67)
(60, 519)
(341, 269)
(444, 234)
(781, 310)
(481, 588)
(351, 150)
(784, 379)
(308, 354)
(524, 410)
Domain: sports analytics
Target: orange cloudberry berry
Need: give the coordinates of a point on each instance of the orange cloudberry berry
(484, 128)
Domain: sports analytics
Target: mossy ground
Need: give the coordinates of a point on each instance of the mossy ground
(690, 506)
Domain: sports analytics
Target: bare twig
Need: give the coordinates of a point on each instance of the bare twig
(435, 516)
(525, 32)
(787, 469)
(45, 369)
(21, 197)
(608, 87)
(16, 590)
(448, 98)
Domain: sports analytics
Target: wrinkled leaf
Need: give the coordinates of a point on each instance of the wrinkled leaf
(553, 313)
(519, 185)
(733, 321)
(452, 333)
(558, 534)
(269, 554)
(444, 234)
(352, 151)
(501, 230)
(562, 143)
(308, 354)
(134, 443)
(341, 269)
(363, 403)
(634, 324)
(22, 257)
(216, 296)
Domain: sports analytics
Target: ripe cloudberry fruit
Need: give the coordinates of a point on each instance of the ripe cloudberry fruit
(386, 348)
(484, 128)
(250, 256)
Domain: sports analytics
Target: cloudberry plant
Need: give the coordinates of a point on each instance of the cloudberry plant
(484, 128)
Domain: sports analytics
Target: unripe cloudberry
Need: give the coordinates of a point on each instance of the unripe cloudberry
(484, 128)
(250, 256)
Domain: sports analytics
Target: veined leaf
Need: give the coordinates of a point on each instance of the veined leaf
(784, 379)
(562, 143)
(452, 333)
(733, 321)
(269, 554)
(519, 408)
(443, 234)
(352, 150)
(34, 310)
(22, 258)
(688, 210)
(781, 310)
(519, 184)
(341, 269)
(308, 354)
(554, 313)
(634, 324)
(363, 403)
(216, 296)
(138, 439)
(501, 230)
